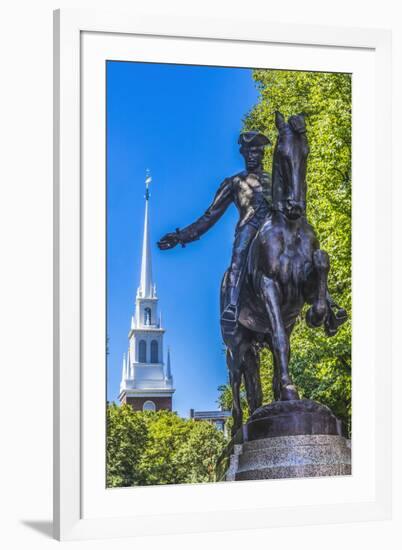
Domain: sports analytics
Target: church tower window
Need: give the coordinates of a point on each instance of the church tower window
(147, 316)
(149, 406)
(154, 352)
(142, 351)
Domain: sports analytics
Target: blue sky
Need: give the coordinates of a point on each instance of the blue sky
(181, 122)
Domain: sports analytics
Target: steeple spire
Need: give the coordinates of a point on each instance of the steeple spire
(146, 289)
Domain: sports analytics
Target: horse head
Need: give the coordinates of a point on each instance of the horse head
(289, 166)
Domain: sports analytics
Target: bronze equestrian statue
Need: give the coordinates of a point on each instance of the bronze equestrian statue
(277, 265)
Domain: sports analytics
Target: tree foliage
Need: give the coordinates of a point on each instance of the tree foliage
(127, 435)
(321, 366)
(154, 448)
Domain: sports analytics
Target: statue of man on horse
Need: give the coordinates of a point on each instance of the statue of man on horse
(276, 266)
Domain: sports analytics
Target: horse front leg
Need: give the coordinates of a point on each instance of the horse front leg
(234, 367)
(252, 380)
(276, 379)
(318, 312)
(280, 347)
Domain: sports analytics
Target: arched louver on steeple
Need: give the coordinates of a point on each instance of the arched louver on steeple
(154, 352)
(142, 351)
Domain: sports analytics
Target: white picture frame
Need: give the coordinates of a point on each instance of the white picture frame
(83, 507)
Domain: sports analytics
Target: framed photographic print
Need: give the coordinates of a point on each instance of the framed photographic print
(222, 275)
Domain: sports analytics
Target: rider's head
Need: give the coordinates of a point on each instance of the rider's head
(252, 148)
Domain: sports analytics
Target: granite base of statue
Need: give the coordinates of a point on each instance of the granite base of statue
(287, 439)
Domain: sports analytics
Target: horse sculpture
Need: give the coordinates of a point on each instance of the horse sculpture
(286, 269)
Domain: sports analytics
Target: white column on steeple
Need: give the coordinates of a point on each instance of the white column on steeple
(129, 369)
(168, 366)
(124, 370)
(146, 289)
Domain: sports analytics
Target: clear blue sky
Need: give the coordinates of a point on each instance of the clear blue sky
(181, 122)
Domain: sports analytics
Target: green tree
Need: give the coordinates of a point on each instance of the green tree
(167, 433)
(127, 434)
(196, 458)
(321, 366)
(154, 448)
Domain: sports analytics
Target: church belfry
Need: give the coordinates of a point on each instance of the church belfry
(145, 383)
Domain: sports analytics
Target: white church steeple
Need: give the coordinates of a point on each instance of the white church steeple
(144, 384)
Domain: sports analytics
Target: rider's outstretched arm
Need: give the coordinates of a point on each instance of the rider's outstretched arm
(222, 199)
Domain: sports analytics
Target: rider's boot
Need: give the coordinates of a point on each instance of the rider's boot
(230, 311)
(229, 319)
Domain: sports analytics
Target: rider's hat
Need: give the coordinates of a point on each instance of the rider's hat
(253, 138)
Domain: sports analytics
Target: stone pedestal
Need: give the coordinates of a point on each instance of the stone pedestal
(291, 456)
(301, 417)
(287, 439)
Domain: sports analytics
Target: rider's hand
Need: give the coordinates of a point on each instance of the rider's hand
(170, 240)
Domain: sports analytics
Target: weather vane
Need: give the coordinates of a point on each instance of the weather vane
(148, 180)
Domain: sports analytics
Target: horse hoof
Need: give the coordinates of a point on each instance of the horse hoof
(341, 315)
(312, 320)
(289, 393)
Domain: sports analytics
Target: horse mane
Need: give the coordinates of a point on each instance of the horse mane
(295, 125)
